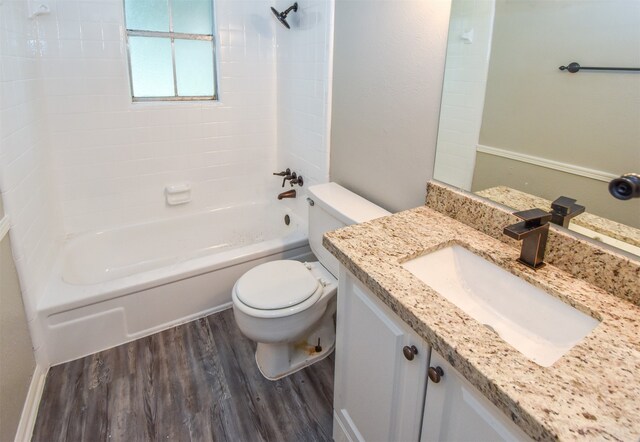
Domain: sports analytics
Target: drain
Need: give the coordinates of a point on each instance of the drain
(287, 220)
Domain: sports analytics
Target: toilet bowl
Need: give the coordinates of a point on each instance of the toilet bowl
(288, 307)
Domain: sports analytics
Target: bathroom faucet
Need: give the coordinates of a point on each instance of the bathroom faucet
(563, 209)
(533, 231)
(288, 194)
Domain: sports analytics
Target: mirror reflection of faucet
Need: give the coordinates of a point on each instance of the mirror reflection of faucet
(563, 209)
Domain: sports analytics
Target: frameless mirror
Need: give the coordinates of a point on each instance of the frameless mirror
(519, 130)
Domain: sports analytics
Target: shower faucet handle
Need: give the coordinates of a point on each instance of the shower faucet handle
(296, 180)
(283, 173)
(289, 176)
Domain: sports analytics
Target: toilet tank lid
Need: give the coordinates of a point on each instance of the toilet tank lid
(344, 204)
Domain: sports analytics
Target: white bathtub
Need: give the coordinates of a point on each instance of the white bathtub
(118, 285)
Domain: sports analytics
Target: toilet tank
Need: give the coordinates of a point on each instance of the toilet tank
(332, 207)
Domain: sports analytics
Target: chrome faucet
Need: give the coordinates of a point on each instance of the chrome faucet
(534, 231)
(563, 209)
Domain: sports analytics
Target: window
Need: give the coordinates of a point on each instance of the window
(171, 49)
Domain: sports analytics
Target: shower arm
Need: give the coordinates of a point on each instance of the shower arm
(293, 7)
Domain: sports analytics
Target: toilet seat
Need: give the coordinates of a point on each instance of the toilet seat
(277, 288)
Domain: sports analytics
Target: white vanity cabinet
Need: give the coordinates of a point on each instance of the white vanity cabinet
(455, 410)
(378, 391)
(381, 374)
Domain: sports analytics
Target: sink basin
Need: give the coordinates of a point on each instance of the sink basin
(537, 324)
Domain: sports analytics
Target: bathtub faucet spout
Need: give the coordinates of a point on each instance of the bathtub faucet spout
(288, 194)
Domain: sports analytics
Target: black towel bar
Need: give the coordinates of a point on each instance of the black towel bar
(575, 67)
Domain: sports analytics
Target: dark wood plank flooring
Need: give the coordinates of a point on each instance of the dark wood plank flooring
(195, 382)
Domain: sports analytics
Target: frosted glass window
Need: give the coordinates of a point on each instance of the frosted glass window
(148, 15)
(171, 49)
(192, 16)
(194, 67)
(151, 67)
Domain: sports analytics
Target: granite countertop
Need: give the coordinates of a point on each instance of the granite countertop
(592, 392)
(522, 201)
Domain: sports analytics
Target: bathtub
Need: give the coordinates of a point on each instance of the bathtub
(117, 285)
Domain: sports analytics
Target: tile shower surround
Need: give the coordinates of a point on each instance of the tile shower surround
(26, 181)
(112, 158)
(76, 155)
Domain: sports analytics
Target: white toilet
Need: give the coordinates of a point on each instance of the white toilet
(286, 306)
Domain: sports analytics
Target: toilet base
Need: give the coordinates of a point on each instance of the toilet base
(276, 361)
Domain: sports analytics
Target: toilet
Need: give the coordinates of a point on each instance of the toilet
(287, 306)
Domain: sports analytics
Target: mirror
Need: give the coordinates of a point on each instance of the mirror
(518, 130)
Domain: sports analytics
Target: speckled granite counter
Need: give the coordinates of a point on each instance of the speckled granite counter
(521, 201)
(592, 392)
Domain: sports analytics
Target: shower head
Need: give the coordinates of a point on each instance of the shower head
(282, 16)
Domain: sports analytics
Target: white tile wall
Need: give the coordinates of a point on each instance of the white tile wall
(113, 157)
(25, 179)
(303, 66)
(76, 154)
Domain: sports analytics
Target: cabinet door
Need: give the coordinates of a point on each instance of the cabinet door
(456, 411)
(379, 393)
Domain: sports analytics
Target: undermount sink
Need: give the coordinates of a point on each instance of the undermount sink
(537, 324)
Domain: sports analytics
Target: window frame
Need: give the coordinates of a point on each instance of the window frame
(173, 36)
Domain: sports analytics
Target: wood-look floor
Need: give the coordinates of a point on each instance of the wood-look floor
(195, 382)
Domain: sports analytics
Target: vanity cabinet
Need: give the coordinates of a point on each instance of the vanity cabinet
(378, 390)
(390, 386)
(455, 410)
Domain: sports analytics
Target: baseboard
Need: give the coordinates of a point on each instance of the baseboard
(31, 403)
(340, 434)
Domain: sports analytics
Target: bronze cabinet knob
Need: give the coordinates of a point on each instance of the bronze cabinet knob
(409, 352)
(435, 374)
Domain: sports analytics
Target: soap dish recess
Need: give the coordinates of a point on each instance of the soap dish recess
(178, 194)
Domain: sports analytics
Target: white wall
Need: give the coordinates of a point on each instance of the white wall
(113, 157)
(303, 59)
(465, 80)
(387, 83)
(25, 176)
